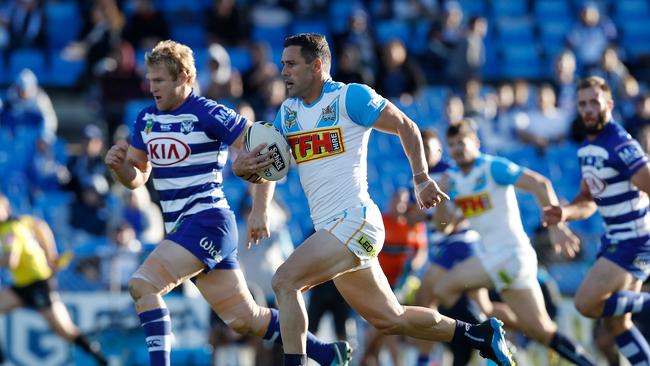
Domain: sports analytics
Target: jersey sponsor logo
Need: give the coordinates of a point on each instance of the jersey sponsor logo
(630, 153)
(187, 127)
(312, 145)
(474, 205)
(165, 127)
(165, 151)
(595, 184)
(225, 116)
(209, 247)
(597, 162)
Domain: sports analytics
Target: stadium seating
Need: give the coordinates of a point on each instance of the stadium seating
(63, 23)
(33, 59)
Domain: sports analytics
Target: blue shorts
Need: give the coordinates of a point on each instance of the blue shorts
(210, 235)
(454, 249)
(633, 255)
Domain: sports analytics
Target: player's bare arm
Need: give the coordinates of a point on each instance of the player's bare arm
(248, 163)
(562, 237)
(392, 120)
(45, 238)
(128, 165)
(258, 219)
(641, 179)
(582, 207)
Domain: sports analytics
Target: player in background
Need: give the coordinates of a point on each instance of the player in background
(182, 140)
(483, 188)
(327, 125)
(28, 250)
(616, 182)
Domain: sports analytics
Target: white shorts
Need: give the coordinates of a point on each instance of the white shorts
(361, 229)
(515, 268)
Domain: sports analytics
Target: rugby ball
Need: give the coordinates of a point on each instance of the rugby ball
(266, 133)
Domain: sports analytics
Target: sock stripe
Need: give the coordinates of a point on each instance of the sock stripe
(637, 305)
(153, 315)
(621, 306)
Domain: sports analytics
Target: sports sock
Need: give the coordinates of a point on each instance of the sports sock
(469, 335)
(622, 302)
(91, 348)
(423, 360)
(317, 350)
(295, 360)
(570, 350)
(634, 346)
(464, 309)
(157, 329)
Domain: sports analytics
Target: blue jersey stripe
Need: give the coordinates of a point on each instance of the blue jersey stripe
(617, 179)
(174, 215)
(621, 219)
(174, 194)
(185, 171)
(619, 198)
(213, 146)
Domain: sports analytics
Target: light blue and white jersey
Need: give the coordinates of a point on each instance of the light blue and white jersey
(486, 197)
(187, 148)
(329, 141)
(607, 163)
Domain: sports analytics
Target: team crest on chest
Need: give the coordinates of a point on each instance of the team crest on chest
(290, 118)
(187, 126)
(329, 115)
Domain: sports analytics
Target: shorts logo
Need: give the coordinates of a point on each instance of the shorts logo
(316, 144)
(474, 205)
(208, 246)
(367, 245)
(165, 151)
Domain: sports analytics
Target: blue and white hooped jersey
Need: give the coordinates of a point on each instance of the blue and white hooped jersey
(607, 163)
(329, 142)
(187, 148)
(486, 197)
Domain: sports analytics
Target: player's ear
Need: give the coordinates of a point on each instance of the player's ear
(318, 65)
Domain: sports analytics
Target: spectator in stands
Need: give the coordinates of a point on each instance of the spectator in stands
(436, 56)
(261, 72)
(564, 81)
(90, 212)
(498, 134)
(641, 117)
(522, 96)
(628, 97)
(146, 26)
(467, 56)
(26, 24)
(452, 24)
(474, 101)
(359, 35)
(398, 75)
(273, 94)
(100, 37)
(454, 111)
(227, 24)
(644, 138)
(612, 69)
(120, 260)
(220, 81)
(120, 81)
(546, 125)
(350, 69)
(144, 216)
(46, 172)
(590, 36)
(27, 105)
(87, 167)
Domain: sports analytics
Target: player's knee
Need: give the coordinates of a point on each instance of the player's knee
(241, 324)
(283, 281)
(617, 325)
(587, 307)
(139, 287)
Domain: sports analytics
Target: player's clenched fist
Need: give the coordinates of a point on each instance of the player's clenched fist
(428, 194)
(116, 155)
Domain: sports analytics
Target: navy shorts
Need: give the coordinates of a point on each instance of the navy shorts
(210, 235)
(633, 255)
(454, 249)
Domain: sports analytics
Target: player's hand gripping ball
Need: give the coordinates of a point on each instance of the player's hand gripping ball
(266, 133)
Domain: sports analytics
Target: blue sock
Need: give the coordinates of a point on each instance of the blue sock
(423, 360)
(570, 350)
(317, 350)
(295, 360)
(622, 302)
(634, 346)
(157, 329)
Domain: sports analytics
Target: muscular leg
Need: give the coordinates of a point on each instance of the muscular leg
(167, 266)
(228, 295)
(9, 300)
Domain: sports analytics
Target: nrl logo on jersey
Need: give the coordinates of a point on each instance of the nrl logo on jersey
(187, 126)
(148, 126)
(290, 118)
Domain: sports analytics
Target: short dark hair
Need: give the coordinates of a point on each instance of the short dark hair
(595, 82)
(312, 46)
(429, 133)
(462, 128)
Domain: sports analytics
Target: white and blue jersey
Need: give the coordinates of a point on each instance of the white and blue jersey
(329, 142)
(188, 148)
(608, 162)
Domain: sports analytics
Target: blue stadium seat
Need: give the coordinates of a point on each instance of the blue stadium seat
(553, 33)
(473, 7)
(388, 29)
(273, 35)
(569, 275)
(521, 61)
(636, 34)
(300, 25)
(63, 23)
(510, 8)
(33, 59)
(551, 9)
(240, 58)
(625, 10)
(339, 14)
(63, 72)
(132, 109)
(515, 30)
(191, 35)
